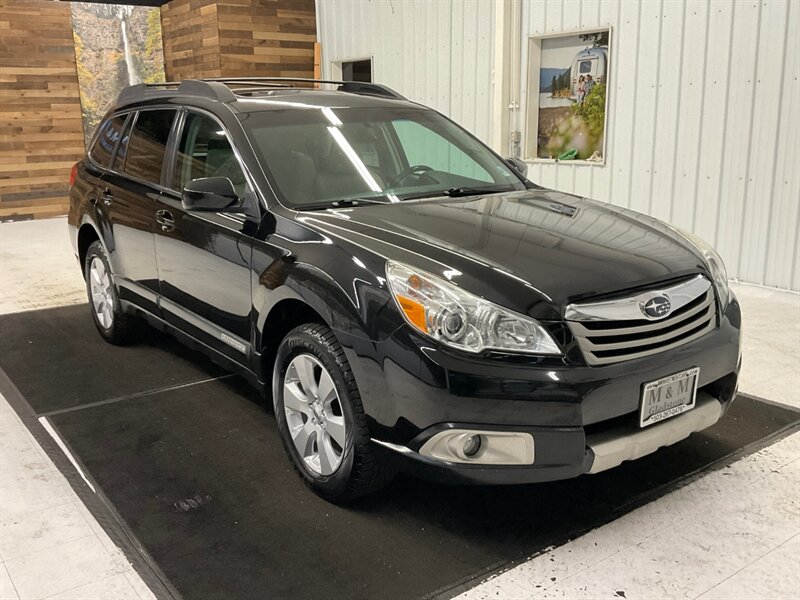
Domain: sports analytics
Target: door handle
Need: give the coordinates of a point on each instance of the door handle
(165, 219)
(107, 196)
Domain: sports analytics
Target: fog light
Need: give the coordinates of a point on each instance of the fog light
(472, 445)
(480, 447)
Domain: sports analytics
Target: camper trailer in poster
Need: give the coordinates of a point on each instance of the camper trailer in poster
(589, 62)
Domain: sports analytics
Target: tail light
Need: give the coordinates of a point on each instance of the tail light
(73, 174)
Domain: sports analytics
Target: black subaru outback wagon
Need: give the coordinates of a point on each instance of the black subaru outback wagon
(409, 299)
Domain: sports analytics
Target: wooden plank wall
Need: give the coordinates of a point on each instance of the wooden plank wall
(273, 38)
(41, 134)
(191, 39)
(233, 38)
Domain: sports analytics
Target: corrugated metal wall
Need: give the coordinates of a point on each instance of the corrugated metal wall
(703, 124)
(704, 113)
(438, 52)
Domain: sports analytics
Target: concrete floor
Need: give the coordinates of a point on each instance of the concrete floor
(733, 533)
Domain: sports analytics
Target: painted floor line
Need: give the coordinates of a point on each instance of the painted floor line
(167, 388)
(57, 438)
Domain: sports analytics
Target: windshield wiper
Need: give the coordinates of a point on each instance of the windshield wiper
(343, 203)
(457, 192)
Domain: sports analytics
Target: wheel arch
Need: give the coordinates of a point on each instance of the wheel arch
(286, 314)
(87, 235)
(312, 297)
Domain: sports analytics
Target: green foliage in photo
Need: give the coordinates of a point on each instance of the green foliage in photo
(593, 110)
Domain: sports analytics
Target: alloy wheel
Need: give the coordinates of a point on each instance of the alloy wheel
(314, 414)
(101, 292)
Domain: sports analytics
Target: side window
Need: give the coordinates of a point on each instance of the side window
(204, 151)
(110, 131)
(118, 160)
(144, 153)
(423, 146)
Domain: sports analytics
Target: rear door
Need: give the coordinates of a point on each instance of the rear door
(128, 194)
(98, 161)
(204, 257)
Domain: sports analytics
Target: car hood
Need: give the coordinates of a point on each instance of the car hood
(533, 251)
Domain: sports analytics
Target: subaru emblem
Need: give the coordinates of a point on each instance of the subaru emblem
(656, 307)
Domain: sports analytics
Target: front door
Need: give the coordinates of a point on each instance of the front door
(204, 257)
(128, 194)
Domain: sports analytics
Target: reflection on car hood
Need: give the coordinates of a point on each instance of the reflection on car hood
(533, 251)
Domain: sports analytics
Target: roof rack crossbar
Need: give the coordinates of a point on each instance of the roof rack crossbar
(216, 88)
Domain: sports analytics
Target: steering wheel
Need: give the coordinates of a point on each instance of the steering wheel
(412, 170)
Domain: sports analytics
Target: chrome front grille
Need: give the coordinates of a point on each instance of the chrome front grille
(617, 330)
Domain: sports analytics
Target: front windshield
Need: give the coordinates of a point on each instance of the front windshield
(320, 155)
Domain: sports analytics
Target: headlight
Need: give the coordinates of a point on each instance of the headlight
(462, 320)
(715, 265)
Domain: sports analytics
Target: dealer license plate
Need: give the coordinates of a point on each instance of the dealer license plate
(668, 397)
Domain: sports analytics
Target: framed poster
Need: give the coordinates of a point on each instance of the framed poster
(567, 96)
(115, 46)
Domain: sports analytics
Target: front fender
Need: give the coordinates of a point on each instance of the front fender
(349, 303)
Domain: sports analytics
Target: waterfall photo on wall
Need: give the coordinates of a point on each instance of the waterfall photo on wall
(115, 46)
(573, 71)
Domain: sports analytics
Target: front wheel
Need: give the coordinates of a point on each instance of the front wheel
(320, 417)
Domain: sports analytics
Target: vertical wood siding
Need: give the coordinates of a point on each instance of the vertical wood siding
(41, 133)
(703, 128)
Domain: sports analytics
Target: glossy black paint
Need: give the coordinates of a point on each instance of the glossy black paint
(232, 284)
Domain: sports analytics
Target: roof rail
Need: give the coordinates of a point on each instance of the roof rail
(191, 87)
(217, 88)
(353, 87)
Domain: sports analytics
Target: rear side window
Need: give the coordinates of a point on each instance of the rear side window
(204, 151)
(148, 144)
(110, 131)
(586, 66)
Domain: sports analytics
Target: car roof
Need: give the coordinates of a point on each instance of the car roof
(259, 94)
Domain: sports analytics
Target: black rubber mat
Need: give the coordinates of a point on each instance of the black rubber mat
(57, 360)
(199, 476)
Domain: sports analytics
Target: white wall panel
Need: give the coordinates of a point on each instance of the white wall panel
(759, 201)
(703, 127)
(704, 123)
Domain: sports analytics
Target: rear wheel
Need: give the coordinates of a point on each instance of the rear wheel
(113, 324)
(320, 417)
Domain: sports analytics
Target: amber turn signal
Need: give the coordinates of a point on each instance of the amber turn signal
(414, 312)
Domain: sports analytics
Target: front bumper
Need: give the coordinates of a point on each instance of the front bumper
(582, 419)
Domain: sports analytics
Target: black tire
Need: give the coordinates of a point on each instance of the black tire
(361, 471)
(124, 328)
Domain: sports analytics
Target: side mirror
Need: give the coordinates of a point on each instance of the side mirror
(520, 166)
(214, 194)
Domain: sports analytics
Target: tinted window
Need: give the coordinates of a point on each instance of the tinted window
(204, 151)
(148, 144)
(586, 66)
(118, 160)
(110, 131)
